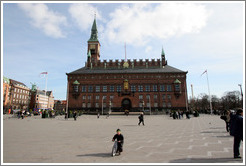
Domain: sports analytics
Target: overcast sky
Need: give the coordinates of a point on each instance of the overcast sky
(53, 37)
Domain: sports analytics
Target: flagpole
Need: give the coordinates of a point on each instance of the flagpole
(209, 94)
(46, 89)
(67, 99)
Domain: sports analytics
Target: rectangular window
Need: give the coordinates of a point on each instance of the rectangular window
(118, 88)
(148, 105)
(83, 88)
(104, 97)
(140, 104)
(89, 105)
(75, 88)
(163, 104)
(155, 97)
(169, 97)
(163, 97)
(140, 97)
(169, 88)
(169, 105)
(89, 97)
(155, 88)
(105, 88)
(140, 88)
(147, 88)
(90, 88)
(162, 88)
(84, 97)
(147, 97)
(155, 104)
(15, 89)
(97, 97)
(97, 88)
(111, 88)
(97, 105)
(177, 87)
(111, 98)
(133, 88)
(83, 105)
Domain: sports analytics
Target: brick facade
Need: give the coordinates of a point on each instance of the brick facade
(121, 85)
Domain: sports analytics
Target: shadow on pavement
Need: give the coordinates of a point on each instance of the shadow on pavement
(107, 155)
(207, 160)
(217, 128)
(224, 136)
(213, 132)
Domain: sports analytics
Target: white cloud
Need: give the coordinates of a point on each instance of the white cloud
(148, 49)
(140, 23)
(43, 18)
(83, 14)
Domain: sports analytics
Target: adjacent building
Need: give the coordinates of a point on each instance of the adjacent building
(6, 94)
(60, 105)
(121, 85)
(19, 97)
(41, 99)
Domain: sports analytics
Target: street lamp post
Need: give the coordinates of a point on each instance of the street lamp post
(240, 85)
(143, 106)
(102, 105)
(109, 106)
(149, 106)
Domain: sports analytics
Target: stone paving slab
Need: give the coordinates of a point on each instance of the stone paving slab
(88, 140)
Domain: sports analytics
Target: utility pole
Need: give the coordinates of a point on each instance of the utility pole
(102, 105)
(240, 85)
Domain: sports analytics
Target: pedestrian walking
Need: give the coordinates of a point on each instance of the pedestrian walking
(141, 118)
(237, 131)
(18, 114)
(187, 115)
(66, 116)
(22, 114)
(227, 121)
(98, 115)
(75, 115)
(179, 114)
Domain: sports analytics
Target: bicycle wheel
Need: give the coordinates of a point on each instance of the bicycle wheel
(114, 149)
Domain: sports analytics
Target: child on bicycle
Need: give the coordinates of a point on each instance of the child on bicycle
(120, 140)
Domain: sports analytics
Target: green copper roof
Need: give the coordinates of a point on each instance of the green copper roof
(89, 53)
(177, 81)
(162, 52)
(5, 80)
(94, 32)
(76, 82)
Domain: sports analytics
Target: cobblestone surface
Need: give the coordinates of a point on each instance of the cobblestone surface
(88, 140)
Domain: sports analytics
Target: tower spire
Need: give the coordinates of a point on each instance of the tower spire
(94, 36)
(162, 52)
(163, 58)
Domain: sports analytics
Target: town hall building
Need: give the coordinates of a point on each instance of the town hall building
(125, 85)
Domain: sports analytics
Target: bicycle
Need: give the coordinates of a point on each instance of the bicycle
(114, 149)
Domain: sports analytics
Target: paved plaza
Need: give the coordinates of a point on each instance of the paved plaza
(88, 140)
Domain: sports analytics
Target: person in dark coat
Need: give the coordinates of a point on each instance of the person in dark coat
(187, 115)
(237, 131)
(141, 119)
(74, 115)
(120, 141)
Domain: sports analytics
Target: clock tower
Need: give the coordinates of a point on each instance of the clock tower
(93, 46)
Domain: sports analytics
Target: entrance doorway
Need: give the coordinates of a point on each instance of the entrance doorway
(126, 104)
